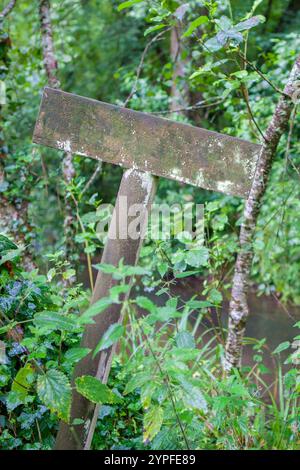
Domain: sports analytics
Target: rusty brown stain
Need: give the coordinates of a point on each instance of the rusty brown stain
(138, 140)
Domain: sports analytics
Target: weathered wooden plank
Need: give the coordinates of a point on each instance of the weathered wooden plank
(148, 143)
(138, 188)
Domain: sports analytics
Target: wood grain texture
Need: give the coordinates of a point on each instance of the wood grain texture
(145, 142)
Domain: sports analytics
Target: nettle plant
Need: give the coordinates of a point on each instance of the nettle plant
(169, 380)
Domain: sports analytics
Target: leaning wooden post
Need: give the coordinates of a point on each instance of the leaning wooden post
(136, 188)
(148, 145)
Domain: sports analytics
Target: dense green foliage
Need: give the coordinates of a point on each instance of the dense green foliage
(167, 389)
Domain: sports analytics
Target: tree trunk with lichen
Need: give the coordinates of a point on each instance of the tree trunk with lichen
(180, 96)
(13, 213)
(238, 310)
(51, 69)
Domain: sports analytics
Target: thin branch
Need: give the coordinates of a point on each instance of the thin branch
(141, 64)
(8, 9)
(198, 105)
(92, 178)
(260, 73)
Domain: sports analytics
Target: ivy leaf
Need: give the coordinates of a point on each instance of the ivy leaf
(153, 420)
(194, 25)
(128, 4)
(95, 391)
(54, 391)
(55, 321)
(111, 336)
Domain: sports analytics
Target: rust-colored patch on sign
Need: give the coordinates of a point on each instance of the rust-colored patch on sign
(141, 141)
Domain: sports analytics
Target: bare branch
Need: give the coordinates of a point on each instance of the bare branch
(141, 64)
(8, 9)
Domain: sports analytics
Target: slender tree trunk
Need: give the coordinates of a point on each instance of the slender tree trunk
(13, 214)
(180, 96)
(51, 68)
(238, 310)
(6, 11)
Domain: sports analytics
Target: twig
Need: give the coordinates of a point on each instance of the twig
(165, 376)
(189, 108)
(8, 9)
(245, 95)
(260, 73)
(92, 178)
(141, 64)
(289, 139)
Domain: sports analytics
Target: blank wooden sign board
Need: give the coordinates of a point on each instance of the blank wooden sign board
(148, 146)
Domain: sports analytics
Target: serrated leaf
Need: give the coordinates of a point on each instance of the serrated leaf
(153, 420)
(137, 381)
(74, 355)
(198, 257)
(215, 297)
(95, 309)
(192, 396)
(184, 339)
(9, 255)
(54, 321)
(195, 24)
(111, 336)
(146, 304)
(95, 391)
(282, 347)
(54, 390)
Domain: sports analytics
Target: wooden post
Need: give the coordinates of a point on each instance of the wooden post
(138, 188)
(148, 145)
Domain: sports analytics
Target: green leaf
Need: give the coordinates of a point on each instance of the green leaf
(137, 381)
(95, 309)
(111, 336)
(146, 304)
(250, 23)
(23, 380)
(162, 268)
(153, 420)
(95, 391)
(184, 339)
(54, 321)
(54, 391)
(215, 297)
(282, 347)
(154, 28)
(69, 273)
(9, 255)
(198, 257)
(74, 355)
(195, 24)
(128, 4)
(193, 397)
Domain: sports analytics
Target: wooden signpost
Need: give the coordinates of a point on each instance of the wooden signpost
(148, 146)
